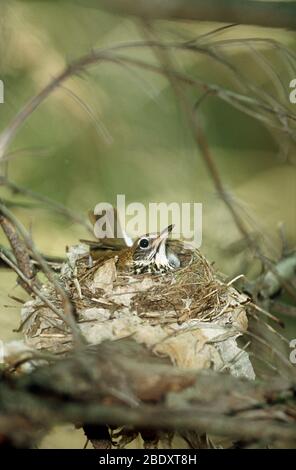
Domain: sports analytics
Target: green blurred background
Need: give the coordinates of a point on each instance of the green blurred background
(139, 144)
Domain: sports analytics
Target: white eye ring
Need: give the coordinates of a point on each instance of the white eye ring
(143, 243)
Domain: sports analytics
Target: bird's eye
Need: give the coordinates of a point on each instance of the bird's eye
(144, 243)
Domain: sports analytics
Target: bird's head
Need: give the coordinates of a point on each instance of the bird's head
(151, 254)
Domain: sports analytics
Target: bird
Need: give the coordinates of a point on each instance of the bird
(150, 253)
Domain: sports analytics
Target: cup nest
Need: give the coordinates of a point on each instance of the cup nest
(189, 315)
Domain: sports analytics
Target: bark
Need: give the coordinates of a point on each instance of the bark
(120, 383)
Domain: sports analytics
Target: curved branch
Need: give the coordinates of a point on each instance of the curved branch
(268, 13)
(121, 383)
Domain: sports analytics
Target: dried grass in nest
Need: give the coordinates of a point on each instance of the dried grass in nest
(189, 315)
(192, 292)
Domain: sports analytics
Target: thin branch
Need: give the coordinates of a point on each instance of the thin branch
(108, 55)
(68, 308)
(19, 250)
(101, 129)
(190, 113)
(55, 262)
(198, 134)
(283, 309)
(31, 285)
(215, 403)
(53, 205)
(268, 13)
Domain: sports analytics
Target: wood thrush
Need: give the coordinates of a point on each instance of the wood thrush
(150, 253)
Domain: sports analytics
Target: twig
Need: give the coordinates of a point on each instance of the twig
(68, 317)
(168, 69)
(20, 252)
(198, 134)
(54, 205)
(267, 314)
(54, 262)
(36, 291)
(283, 309)
(108, 55)
(215, 403)
(268, 13)
(101, 129)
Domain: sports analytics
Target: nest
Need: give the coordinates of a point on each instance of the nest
(189, 316)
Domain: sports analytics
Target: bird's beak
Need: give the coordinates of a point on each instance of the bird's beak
(163, 235)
